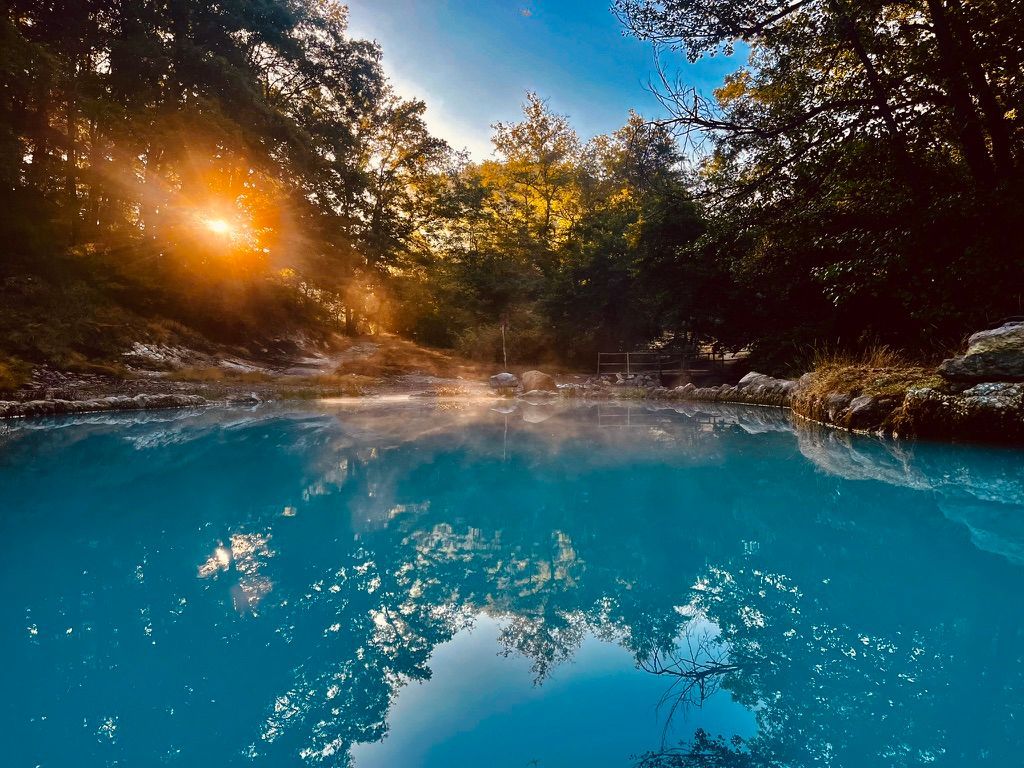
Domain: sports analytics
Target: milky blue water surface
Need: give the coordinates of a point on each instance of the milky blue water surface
(389, 585)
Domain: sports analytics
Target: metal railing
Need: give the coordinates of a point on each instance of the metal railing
(631, 363)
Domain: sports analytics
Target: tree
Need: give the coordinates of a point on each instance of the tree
(859, 165)
(128, 126)
(533, 184)
(627, 273)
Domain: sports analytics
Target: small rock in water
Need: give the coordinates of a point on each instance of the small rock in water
(504, 380)
(244, 399)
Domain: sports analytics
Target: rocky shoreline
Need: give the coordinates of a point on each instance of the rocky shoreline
(61, 407)
(984, 412)
(977, 397)
(987, 412)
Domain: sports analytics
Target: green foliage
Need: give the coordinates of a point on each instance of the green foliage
(575, 247)
(242, 171)
(527, 340)
(240, 168)
(864, 167)
(63, 313)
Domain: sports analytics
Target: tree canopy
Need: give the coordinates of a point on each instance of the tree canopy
(864, 166)
(244, 171)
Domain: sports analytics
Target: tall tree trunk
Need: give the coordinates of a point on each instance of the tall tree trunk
(95, 187)
(994, 113)
(39, 172)
(965, 116)
(71, 166)
(145, 215)
(181, 23)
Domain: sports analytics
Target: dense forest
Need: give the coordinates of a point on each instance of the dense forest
(243, 172)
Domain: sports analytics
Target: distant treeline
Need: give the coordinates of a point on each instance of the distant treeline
(240, 171)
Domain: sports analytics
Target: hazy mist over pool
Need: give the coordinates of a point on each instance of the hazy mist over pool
(428, 585)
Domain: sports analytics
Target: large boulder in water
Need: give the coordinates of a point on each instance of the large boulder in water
(535, 380)
(504, 381)
(995, 355)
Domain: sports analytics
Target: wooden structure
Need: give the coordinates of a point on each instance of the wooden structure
(656, 363)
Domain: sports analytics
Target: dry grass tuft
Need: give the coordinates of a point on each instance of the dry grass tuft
(217, 374)
(76, 362)
(14, 374)
(879, 371)
(328, 385)
(879, 356)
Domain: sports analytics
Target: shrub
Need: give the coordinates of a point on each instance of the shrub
(14, 374)
(526, 341)
(328, 385)
(208, 374)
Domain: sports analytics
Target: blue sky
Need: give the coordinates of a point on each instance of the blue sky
(472, 61)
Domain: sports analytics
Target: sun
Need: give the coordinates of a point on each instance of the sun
(219, 226)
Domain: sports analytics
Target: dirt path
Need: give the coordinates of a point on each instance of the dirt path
(327, 363)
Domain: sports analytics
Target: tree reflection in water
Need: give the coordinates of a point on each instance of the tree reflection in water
(705, 751)
(697, 671)
(852, 614)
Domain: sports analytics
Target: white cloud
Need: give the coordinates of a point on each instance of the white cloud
(474, 138)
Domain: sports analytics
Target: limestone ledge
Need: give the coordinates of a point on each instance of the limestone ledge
(35, 408)
(985, 412)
